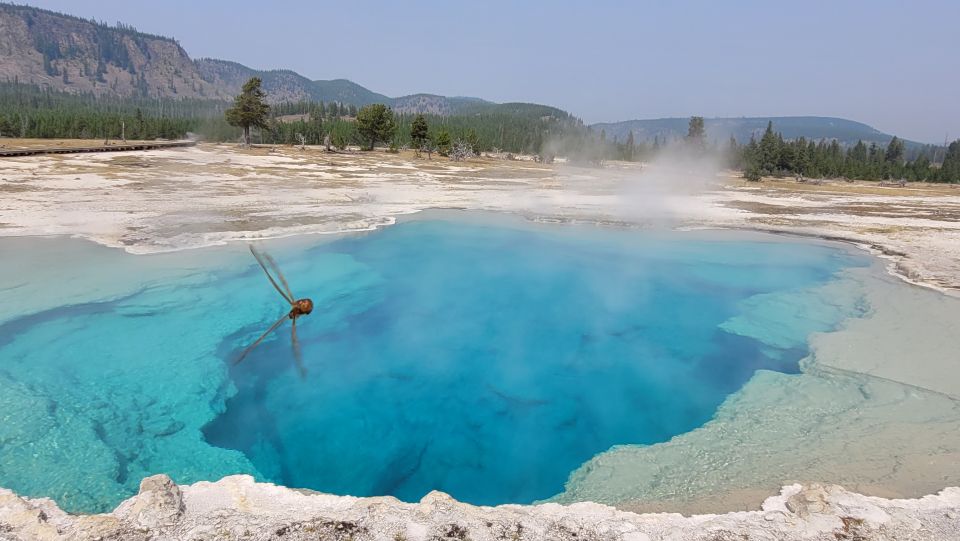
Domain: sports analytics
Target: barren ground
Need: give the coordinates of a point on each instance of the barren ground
(175, 198)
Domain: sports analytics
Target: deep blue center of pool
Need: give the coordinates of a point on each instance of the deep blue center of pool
(486, 358)
(491, 362)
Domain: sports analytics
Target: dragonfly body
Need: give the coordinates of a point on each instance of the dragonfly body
(301, 307)
(298, 307)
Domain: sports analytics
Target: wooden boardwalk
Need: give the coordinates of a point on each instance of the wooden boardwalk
(120, 147)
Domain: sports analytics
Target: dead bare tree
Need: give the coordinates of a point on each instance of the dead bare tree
(429, 147)
(326, 142)
(461, 151)
(303, 141)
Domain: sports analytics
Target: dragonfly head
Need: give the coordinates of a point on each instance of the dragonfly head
(304, 306)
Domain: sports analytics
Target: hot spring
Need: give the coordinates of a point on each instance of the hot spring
(486, 358)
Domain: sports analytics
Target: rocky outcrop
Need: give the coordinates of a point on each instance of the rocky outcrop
(236, 507)
(72, 54)
(69, 53)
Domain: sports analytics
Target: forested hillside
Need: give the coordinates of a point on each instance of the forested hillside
(285, 85)
(68, 53)
(71, 54)
(31, 111)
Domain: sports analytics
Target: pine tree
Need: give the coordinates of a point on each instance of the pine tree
(696, 132)
(473, 141)
(858, 153)
(950, 170)
(419, 131)
(316, 124)
(769, 150)
(443, 142)
(376, 123)
(894, 154)
(249, 109)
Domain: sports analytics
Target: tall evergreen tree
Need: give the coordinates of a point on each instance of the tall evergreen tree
(858, 153)
(696, 132)
(375, 123)
(894, 154)
(249, 108)
(769, 150)
(950, 170)
(316, 124)
(419, 131)
(443, 142)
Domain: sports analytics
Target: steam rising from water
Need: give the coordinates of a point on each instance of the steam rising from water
(658, 192)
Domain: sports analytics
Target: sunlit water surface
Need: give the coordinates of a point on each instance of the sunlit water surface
(484, 359)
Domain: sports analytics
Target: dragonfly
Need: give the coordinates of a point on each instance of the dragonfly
(298, 307)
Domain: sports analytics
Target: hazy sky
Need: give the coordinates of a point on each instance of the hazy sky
(893, 65)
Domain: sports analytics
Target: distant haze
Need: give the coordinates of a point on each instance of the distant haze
(893, 65)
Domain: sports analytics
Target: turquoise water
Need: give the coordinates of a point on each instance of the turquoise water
(484, 359)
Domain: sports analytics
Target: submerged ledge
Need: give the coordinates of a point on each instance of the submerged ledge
(871, 411)
(236, 507)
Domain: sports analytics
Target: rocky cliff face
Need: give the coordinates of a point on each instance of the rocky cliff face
(76, 55)
(238, 508)
(71, 54)
(68, 53)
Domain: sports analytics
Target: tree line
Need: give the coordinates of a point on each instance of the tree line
(522, 129)
(774, 156)
(35, 112)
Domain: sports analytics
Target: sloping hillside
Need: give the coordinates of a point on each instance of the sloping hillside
(281, 85)
(68, 53)
(437, 105)
(71, 54)
(286, 85)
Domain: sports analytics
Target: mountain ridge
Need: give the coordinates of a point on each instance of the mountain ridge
(69, 53)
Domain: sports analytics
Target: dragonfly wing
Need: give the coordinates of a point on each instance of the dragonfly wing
(297, 353)
(265, 260)
(262, 336)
